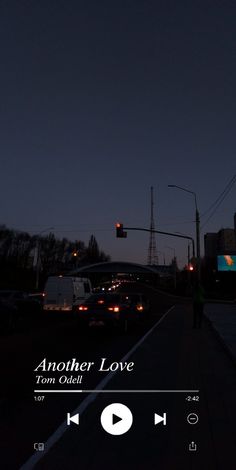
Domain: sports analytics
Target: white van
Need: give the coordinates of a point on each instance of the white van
(64, 293)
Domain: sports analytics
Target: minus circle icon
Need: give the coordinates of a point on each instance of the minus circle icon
(192, 418)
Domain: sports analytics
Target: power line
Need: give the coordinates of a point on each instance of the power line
(219, 200)
(227, 189)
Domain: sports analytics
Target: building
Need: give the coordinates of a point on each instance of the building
(220, 243)
(210, 245)
(226, 243)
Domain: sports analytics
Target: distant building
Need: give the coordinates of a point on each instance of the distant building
(220, 243)
(226, 241)
(210, 245)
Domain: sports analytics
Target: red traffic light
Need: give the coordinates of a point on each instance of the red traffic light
(119, 231)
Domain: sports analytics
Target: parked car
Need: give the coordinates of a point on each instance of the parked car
(13, 297)
(116, 309)
(24, 302)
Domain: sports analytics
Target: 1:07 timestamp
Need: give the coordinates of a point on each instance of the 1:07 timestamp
(39, 397)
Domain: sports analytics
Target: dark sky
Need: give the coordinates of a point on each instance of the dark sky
(102, 99)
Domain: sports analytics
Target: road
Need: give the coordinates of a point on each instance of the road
(172, 357)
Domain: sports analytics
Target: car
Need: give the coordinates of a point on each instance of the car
(117, 309)
(13, 297)
(24, 302)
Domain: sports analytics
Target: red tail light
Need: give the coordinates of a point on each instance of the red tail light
(114, 309)
(83, 308)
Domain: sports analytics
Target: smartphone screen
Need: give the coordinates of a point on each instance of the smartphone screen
(117, 342)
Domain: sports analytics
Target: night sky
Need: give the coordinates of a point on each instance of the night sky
(102, 99)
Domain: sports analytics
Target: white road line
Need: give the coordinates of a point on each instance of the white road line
(37, 456)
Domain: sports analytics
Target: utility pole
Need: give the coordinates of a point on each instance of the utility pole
(198, 242)
(197, 223)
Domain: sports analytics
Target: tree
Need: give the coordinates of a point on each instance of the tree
(93, 253)
(93, 250)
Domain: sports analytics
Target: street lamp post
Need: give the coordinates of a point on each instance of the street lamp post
(75, 256)
(197, 222)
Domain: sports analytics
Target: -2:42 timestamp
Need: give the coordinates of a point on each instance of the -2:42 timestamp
(192, 398)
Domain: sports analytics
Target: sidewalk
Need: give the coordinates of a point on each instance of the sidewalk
(173, 357)
(223, 320)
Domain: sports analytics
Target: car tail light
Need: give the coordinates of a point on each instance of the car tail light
(114, 309)
(100, 301)
(139, 308)
(83, 308)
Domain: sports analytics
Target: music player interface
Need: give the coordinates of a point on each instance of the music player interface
(117, 235)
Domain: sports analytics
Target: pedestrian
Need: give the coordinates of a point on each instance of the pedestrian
(198, 306)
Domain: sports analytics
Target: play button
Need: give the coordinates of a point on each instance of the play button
(116, 419)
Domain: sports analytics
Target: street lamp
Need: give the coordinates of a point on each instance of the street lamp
(38, 256)
(197, 221)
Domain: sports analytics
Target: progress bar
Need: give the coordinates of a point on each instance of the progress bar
(115, 391)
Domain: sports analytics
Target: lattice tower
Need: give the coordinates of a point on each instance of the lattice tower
(152, 250)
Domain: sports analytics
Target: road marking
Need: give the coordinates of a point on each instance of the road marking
(37, 456)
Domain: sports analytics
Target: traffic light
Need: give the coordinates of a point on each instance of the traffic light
(119, 231)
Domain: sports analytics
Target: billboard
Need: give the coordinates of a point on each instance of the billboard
(226, 262)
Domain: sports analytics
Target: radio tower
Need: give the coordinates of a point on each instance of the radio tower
(152, 251)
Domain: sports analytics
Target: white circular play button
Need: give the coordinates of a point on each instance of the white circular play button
(116, 419)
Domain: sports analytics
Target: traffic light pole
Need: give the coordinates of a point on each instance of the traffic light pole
(198, 245)
(164, 233)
